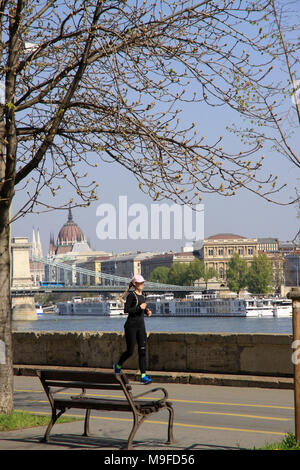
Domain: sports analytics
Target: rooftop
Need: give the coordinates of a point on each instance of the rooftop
(225, 236)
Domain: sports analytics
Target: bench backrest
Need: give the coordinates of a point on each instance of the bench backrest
(85, 380)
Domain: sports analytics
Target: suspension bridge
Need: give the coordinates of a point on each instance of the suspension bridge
(72, 278)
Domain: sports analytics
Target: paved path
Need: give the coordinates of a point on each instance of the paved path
(206, 417)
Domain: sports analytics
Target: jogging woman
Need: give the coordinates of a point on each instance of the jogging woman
(134, 327)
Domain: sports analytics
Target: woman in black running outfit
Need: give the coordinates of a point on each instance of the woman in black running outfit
(134, 327)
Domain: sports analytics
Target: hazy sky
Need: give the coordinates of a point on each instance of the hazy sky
(245, 214)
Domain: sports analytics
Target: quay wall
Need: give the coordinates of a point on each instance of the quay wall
(231, 353)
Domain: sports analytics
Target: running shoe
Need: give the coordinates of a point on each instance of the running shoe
(145, 380)
(117, 368)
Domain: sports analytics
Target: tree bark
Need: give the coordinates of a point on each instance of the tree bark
(6, 362)
(8, 152)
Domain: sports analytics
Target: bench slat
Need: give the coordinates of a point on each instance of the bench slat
(100, 386)
(95, 377)
(93, 404)
(110, 404)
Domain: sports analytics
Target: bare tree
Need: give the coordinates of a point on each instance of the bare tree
(275, 116)
(106, 80)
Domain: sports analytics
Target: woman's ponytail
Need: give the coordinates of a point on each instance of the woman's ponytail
(125, 292)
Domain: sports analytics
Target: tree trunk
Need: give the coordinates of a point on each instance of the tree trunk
(6, 363)
(8, 153)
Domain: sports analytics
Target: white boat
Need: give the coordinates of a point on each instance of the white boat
(83, 308)
(39, 309)
(115, 307)
(258, 307)
(158, 297)
(90, 306)
(282, 307)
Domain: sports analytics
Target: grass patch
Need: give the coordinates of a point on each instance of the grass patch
(288, 443)
(24, 419)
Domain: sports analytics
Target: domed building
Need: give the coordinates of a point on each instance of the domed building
(71, 249)
(70, 238)
(70, 232)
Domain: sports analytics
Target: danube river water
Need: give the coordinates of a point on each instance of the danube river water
(52, 322)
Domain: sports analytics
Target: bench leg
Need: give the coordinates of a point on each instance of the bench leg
(87, 423)
(136, 424)
(170, 425)
(54, 418)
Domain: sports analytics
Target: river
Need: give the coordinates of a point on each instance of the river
(52, 322)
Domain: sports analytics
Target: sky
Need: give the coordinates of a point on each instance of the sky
(245, 214)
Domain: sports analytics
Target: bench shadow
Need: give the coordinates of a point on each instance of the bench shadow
(94, 442)
(72, 441)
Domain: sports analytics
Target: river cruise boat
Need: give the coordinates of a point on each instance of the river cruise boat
(282, 307)
(197, 304)
(90, 306)
(210, 305)
(258, 307)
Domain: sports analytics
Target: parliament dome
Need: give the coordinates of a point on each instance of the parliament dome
(70, 232)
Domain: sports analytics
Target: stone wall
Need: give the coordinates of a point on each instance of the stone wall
(232, 353)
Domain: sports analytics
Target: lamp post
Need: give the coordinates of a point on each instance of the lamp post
(294, 295)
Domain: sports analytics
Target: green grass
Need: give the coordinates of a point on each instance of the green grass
(24, 419)
(288, 443)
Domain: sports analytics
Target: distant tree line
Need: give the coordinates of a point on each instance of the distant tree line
(184, 274)
(257, 277)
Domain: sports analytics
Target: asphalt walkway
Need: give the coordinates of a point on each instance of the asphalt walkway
(207, 417)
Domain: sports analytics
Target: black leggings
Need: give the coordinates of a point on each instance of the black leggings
(135, 334)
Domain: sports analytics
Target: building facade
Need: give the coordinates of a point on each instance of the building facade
(270, 247)
(292, 269)
(164, 259)
(126, 264)
(37, 270)
(217, 250)
(94, 265)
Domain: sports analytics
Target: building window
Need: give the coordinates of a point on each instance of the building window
(221, 251)
(241, 251)
(210, 252)
(250, 251)
(230, 251)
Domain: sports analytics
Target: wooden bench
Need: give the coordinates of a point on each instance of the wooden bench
(70, 379)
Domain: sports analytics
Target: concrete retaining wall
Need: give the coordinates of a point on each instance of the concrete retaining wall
(232, 353)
